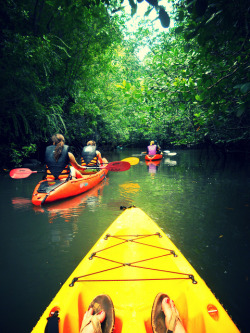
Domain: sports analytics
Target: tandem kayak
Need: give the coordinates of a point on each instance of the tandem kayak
(153, 157)
(72, 206)
(132, 262)
(53, 190)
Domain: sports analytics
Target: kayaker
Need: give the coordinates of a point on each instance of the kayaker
(158, 148)
(58, 158)
(164, 317)
(90, 156)
(151, 149)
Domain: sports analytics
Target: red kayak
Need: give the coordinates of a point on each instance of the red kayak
(153, 157)
(53, 190)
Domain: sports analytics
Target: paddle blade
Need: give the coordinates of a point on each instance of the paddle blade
(118, 166)
(131, 160)
(21, 173)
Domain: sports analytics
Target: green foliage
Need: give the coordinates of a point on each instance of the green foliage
(18, 154)
(219, 32)
(190, 92)
(72, 67)
(47, 51)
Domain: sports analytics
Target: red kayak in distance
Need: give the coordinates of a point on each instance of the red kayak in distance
(156, 157)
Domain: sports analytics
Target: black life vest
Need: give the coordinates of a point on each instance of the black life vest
(88, 156)
(59, 169)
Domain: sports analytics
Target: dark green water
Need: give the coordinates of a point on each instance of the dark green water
(201, 202)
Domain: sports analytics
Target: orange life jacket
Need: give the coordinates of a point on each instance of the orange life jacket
(89, 156)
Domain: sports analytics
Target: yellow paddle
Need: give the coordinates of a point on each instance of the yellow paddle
(131, 160)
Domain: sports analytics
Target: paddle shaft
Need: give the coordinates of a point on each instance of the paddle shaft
(111, 166)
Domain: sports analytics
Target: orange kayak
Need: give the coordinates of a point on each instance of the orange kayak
(153, 157)
(53, 190)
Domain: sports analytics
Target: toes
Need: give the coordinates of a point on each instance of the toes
(166, 305)
(91, 325)
(101, 316)
(88, 313)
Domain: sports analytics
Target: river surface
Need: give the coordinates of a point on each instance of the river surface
(200, 201)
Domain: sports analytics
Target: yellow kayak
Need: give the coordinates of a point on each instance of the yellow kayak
(132, 262)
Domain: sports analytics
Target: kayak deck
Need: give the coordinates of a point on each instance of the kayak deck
(53, 190)
(156, 157)
(132, 262)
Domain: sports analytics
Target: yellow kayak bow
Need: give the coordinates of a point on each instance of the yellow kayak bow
(132, 262)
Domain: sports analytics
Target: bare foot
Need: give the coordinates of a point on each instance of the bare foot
(169, 309)
(89, 328)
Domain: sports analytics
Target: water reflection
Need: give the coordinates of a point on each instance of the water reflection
(169, 162)
(63, 216)
(152, 166)
(21, 203)
(127, 189)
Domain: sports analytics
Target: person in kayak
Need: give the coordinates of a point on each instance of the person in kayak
(58, 158)
(164, 317)
(152, 148)
(91, 157)
(158, 148)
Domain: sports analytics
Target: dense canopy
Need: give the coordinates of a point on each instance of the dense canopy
(73, 67)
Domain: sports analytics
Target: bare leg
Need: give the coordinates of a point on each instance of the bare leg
(78, 174)
(75, 173)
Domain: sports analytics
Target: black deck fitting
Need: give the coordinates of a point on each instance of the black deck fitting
(92, 255)
(172, 252)
(73, 282)
(192, 278)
